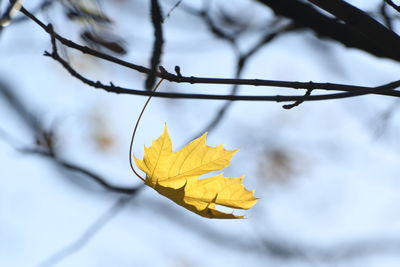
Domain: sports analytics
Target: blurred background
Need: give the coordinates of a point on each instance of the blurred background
(326, 172)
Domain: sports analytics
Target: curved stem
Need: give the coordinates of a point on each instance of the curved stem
(135, 129)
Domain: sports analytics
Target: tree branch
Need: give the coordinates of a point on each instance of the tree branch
(308, 16)
(156, 19)
(44, 142)
(277, 98)
(355, 90)
(357, 19)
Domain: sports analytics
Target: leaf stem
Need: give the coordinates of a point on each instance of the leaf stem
(135, 129)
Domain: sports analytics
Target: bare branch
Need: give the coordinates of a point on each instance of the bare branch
(355, 90)
(156, 19)
(326, 27)
(278, 98)
(377, 34)
(44, 142)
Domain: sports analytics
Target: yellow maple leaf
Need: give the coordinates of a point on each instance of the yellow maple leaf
(175, 176)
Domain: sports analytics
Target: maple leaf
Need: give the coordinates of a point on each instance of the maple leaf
(175, 176)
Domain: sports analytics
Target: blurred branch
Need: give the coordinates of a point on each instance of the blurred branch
(75, 168)
(385, 16)
(242, 59)
(384, 118)
(26, 115)
(393, 5)
(44, 145)
(88, 234)
(352, 90)
(213, 28)
(12, 8)
(360, 31)
(278, 247)
(377, 34)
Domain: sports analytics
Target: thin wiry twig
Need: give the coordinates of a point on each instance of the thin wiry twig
(171, 10)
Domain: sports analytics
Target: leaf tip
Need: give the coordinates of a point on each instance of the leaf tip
(165, 128)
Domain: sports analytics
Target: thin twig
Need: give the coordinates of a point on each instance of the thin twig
(171, 10)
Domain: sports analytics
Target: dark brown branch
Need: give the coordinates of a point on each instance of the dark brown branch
(277, 98)
(352, 90)
(357, 19)
(200, 80)
(156, 19)
(308, 16)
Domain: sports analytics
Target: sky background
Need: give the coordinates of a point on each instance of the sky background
(326, 173)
